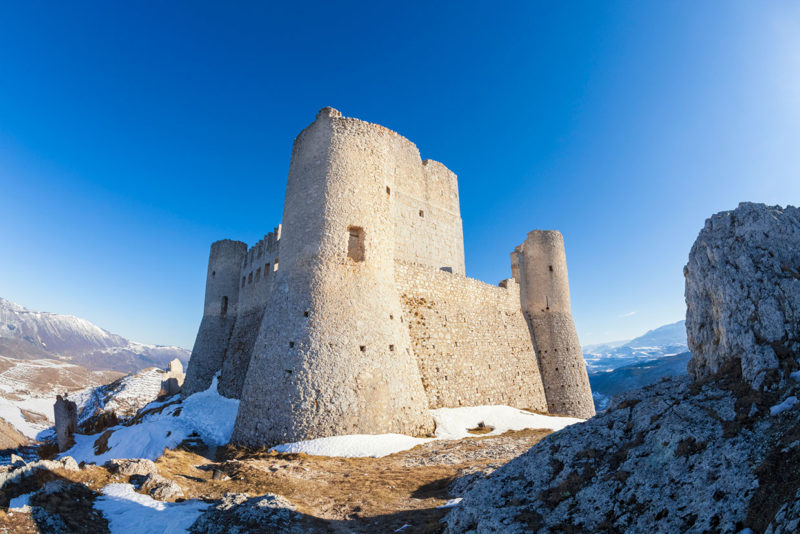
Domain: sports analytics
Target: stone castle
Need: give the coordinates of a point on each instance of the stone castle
(354, 315)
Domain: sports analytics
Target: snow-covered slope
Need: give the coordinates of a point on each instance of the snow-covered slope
(28, 389)
(27, 334)
(124, 397)
(666, 340)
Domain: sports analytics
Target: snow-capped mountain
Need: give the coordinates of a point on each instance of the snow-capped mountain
(667, 340)
(46, 354)
(27, 334)
(624, 365)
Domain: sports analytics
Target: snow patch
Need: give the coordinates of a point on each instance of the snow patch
(788, 404)
(207, 415)
(129, 512)
(451, 503)
(354, 445)
(451, 424)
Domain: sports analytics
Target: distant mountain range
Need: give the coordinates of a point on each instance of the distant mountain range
(624, 365)
(27, 335)
(46, 354)
(667, 340)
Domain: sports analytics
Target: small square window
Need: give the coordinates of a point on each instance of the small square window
(355, 243)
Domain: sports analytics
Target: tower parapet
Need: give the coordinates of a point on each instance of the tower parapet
(540, 267)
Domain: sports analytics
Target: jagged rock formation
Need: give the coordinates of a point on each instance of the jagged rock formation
(354, 315)
(743, 293)
(713, 454)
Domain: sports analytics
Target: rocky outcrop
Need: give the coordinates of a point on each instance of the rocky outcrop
(136, 466)
(672, 457)
(743, 294)
(236, 513)
(66, 422)
(717, 451)
(161, 488)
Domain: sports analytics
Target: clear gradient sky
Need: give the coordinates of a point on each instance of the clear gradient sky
(133, 134)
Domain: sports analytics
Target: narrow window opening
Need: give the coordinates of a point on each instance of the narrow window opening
(391, 317)
(266, 269)
(250, 278)
(291, 344)
(275, 267)
(551, 268)
(258, 274)
(363, 348)
(421, 213)
(391, 348)
(355, 243)
(213, 274)
(224, 307)
(388, 191)
(305, 314)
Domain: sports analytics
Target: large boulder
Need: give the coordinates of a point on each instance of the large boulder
(743, 294)
(717, 451)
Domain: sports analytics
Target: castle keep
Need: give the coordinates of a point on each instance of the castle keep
(355, 316)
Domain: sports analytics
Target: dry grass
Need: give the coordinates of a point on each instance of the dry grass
(348, 494)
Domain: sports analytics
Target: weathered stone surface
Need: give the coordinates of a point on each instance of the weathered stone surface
(173, 379)
(539, 265)
(667, 458)
(161, 488)
(716, 454)
(236, 513)
(743, 294)
(66, 422)
(137, 466)
(367, 320)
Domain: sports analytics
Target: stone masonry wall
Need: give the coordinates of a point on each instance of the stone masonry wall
(428, 227)
(471, 341)
(540, 266)
(330, 359)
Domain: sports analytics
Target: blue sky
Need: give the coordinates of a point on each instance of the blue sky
(133, 135)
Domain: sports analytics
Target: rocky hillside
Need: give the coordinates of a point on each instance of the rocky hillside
(46, 354)
(635, 376)
(27, 334)
(717, 450)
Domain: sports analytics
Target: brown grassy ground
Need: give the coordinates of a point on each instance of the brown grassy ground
(347, 494)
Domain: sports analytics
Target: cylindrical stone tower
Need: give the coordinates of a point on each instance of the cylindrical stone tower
(540, 267)
(333, 356)
(219, 314)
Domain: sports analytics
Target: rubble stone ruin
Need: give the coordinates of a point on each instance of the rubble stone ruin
(355, 315)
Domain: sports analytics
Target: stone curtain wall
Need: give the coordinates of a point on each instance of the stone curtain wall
(471, 341)
(427, 222)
